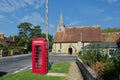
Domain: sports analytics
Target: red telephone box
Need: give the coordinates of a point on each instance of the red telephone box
(39, 56)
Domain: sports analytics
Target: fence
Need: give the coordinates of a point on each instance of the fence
(4, 53)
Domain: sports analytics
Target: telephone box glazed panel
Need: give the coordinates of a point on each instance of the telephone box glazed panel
(39, 56)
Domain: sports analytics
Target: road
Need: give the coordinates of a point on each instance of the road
(12, 64)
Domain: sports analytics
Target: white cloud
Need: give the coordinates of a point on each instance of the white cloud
(12, 5)
(51, 25)
(100, 10)
(30, 2)
(9, 21)
(16, 3)
(34, 18)
(1, 17)
(112, 1)
(15, 17)
(5, 6)
(4, 19)
(111, 18)
(108, 18)
(36, 3)
(74, 23)
(68, 18)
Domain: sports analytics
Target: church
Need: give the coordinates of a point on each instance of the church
(70, 40)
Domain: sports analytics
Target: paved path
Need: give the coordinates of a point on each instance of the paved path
(74, 72)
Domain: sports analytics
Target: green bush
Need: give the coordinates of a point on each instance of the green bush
(95, 55)
(112, 72)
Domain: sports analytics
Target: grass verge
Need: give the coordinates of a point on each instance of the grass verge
(62, 67)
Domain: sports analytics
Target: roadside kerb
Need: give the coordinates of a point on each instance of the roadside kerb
(86, 71)
(15, 56)
(56, 74)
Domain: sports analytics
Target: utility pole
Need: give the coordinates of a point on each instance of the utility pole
(81, 34)
(47, 32)
(47, 20)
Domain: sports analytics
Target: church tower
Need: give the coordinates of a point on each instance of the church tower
(61, 25)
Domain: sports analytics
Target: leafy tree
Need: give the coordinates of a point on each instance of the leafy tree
(24, 30)
(110, 30)
(17, 39)
(50, 42)
(27, 32)
(50, 37)
(36, 32)
(107, 67)
(93, 54)
(24, 34)
(113, 68)
(3, 44)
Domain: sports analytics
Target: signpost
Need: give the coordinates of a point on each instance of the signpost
(79, 43)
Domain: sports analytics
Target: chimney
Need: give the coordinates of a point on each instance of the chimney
(13, 39)
(1, 35)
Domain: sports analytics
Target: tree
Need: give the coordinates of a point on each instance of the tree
(110, 30)
(24, 33)
(24, 30)
(50, 37)
(27, 32)
(36, 32)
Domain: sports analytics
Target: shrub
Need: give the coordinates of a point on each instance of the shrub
(93, 54)
(99, 67)
(101, 63)
(112, 71)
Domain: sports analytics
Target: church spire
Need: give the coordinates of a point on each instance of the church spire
(61, 24)
(61, 19)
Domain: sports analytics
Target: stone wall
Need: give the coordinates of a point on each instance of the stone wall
(87, 72)
(4, 53)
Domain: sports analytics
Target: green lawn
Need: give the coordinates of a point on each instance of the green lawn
(62, 67)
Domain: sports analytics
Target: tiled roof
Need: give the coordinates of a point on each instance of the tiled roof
(3, 41)
(81, 33)
(8, 40)
(111, 37)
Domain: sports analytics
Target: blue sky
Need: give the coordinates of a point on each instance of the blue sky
(105, 13)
